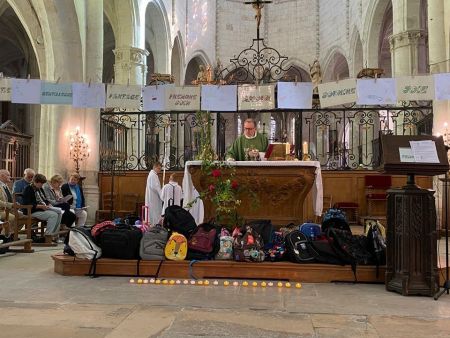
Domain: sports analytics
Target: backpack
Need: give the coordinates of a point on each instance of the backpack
(264, 228)
(275, 251)
(204, 242)
(376, 243)
(97, 229)
(153, 243)
(179, 220)
(310, 230)
(121, 242)
(299, 248)
(82, 244)
(335, 218)
(226, 245)
(176, 247)
(247, 245)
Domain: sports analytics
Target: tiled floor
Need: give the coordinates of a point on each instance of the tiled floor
(36, 302)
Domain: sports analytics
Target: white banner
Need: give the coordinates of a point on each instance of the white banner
(251, 97)
(123, 96)
(88, 95)
(376, 91)
(25, 91)
(415, 88)
(56, 93)
(219, 98)
(442, 86)
(5, 89)
(183, 98)
(294, 95)
(154, 97)
(337, 93)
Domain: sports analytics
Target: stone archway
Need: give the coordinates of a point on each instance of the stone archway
(384, 52)
(157, 36)
(372, 31)
(192, 69)
(357, 54)
(336, 68)
(176, 64)
(109, 44)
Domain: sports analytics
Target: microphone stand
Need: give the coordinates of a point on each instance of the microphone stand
(445, 287)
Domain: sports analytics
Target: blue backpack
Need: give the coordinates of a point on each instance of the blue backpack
(335, 218)
(310, 230)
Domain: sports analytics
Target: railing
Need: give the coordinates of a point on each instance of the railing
(340, 138)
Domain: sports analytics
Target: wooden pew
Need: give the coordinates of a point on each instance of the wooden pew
(17, 242)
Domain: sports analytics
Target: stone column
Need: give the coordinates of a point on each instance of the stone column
(91, 118)
(405, 51)
(131, 65)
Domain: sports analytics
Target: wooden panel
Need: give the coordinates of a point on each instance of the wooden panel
(311, 273)
(343, 186)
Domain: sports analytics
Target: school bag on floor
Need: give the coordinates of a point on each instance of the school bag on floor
(275, 251)
(247, 245)
(179, 220)
(203, 243)
(176, 247)
(97, 229)
(310, 230)
(121, 242)
(299, 248)
(82, 245)
(153, 242)
(335, 218)
(226, 245)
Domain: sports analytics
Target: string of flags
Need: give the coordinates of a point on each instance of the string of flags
(206, 282)
(289, 95)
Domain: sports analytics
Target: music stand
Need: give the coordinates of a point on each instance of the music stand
(445, 287)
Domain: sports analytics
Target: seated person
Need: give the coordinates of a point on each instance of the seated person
(34, 195)
(77, 201)
(20, 185)
(6, 202)
(54, 195)
(248, 145)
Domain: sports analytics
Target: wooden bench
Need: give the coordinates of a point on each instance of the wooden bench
(17, 242)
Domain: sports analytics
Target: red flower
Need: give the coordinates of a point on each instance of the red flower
(234, 184)
(216, 173)
(211, 187)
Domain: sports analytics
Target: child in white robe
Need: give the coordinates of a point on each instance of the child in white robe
(171, 193)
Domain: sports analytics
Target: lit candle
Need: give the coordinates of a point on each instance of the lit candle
(305, 148)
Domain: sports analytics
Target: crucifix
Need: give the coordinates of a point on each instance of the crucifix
(258, 6)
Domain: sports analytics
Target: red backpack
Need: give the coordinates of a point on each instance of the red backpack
(203, 243)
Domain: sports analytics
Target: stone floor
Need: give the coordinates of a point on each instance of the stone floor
(36, 302)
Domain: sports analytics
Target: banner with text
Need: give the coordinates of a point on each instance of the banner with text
(293, 95)
(124, 96)
(219, 98)
(337, 93)
(442, 86)
(252, 97)
(415, 88)
(376, 91)
(154, 97)
(88, 95)
(56, 93)
(26, 91)
(5, 89)
(183, 98)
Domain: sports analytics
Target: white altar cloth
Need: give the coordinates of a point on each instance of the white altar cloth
(317, 189)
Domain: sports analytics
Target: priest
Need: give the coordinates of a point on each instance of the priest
(247, 146)
(152, 195)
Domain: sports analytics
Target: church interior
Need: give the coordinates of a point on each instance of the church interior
(110, 69)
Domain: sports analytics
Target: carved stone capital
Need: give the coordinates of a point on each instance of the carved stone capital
(131, 55)
(407, 38)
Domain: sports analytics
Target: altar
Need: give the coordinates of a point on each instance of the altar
(281, 187)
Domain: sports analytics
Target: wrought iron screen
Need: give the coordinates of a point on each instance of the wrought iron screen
(340, 138)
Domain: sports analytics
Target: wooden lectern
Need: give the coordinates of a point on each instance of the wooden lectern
(411, 259)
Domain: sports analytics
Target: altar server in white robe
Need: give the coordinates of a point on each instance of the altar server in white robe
(197, 210)
(171, 193)
(152, 194)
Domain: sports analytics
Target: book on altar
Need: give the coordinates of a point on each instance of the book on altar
(278, 151)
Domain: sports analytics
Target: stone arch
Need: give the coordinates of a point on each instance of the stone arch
(297, 67)
(384, 50)
(193, 66)
(157, 35)
(177, 60)
(335, 65)
(372, 31)
(356, 52)
(109, 44)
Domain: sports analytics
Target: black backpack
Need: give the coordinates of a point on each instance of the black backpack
(335, 218)
(376, 245)
(121, 242)
(299, 249)
(177, 219)
(264, 228)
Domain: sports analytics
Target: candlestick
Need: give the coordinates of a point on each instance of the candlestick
(305, 148)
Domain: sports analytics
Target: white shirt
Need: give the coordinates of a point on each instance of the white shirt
(171, 194)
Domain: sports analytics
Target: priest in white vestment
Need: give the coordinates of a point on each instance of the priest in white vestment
(171, 193)
(152, 195)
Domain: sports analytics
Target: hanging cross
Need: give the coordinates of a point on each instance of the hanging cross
(258, 6)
